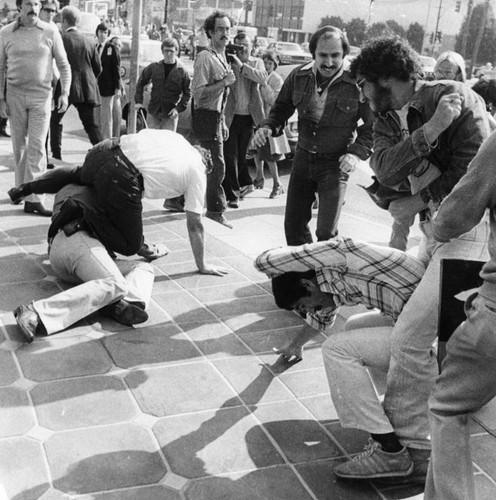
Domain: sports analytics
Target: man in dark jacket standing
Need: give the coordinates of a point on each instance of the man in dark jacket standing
(85, 67)
(171, 88)
(330, 142)
(109, 82)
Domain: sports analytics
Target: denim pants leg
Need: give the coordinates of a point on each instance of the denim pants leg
(413, 366)
(84, 261)
(313, 174)
(216, 198)
(29, 122)
(466, 384)
(349, 358)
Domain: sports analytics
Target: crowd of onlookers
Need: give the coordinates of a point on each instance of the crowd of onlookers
(429, 145)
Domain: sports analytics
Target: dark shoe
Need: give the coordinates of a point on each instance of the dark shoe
(218, 217)
(174, 205)
(152, 251)
(245, 190)
(259, 183)
(50, 166)
(28, 320)
(420, 460)
(374, 462)
(125, 312)
(4, 133)
(36, 207)
(233, 204)
(16, 195)
(276, 191)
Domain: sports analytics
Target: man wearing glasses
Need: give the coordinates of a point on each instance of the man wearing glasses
(28, 47)
(210, 86)
(442, 123)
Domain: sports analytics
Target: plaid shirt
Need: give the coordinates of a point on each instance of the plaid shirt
(353, 272)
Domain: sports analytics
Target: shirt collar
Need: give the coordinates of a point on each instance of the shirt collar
(18, 24)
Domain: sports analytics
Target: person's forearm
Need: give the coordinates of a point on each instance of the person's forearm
(196, 235)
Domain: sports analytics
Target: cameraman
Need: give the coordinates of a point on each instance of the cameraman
(211, 79)
(244, 108)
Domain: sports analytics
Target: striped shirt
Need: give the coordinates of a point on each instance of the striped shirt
(352, 271)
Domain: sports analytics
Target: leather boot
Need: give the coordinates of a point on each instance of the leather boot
(36, 207)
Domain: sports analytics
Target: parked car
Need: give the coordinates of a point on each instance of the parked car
(149, 51)
(290, 53)
(427, 64)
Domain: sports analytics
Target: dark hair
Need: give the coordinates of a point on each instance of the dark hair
(102, 27)
(329, 32)
(71, 15)
(169, 42)
(288, 288)
(209, 24)
(241, 36)
(384, 58)
(487, 90)
(271, 55)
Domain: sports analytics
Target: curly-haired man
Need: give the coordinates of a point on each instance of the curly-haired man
(426, 132)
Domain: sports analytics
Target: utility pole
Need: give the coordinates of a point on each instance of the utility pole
(437, 20)
(133, 73)
(466, 29)
(478, 40)
(166, 11)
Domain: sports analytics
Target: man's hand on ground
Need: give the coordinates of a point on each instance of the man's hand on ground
(290, 353)
(216, 271)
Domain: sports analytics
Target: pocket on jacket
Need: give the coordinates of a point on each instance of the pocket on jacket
(345, 113)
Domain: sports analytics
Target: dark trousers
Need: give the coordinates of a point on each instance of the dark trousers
(216, 198)
(235, 149)
(118, 184)
(87, 115)
(312, 174)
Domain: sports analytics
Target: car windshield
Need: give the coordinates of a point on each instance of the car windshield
(289, 47)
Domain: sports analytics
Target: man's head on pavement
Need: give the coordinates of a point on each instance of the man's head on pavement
(299, 291)
(102, 32)
(328, 47)
(170, 49)
(218, 26)
(242, 39)
(70, 16)
(29, 10)
(386, 71)
(49, 9)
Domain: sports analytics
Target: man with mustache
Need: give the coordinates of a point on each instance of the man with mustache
(210, 86)
(330, 142)
(28, 47)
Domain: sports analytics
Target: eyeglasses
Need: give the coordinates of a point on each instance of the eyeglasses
(449, 73)
(222, 29)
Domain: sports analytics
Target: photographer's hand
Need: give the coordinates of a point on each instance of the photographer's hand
(230, 78)
(235, 61)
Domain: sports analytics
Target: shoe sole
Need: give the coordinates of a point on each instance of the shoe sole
(377, 475)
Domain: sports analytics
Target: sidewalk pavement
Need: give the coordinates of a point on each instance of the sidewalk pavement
(192, 404)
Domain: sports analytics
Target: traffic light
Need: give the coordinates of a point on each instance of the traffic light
(458, 6)
(248, 5)
(431, 38)
(439, 36)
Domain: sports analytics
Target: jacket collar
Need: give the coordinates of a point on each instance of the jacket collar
(309, 68)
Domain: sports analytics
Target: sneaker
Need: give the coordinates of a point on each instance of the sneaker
(174, 204)
(374, 463)
(28, 320)
(152, 251)
(125, 312)
(420, 459)
(218, 217)
(245, 190)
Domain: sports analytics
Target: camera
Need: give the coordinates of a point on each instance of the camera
(232, 49)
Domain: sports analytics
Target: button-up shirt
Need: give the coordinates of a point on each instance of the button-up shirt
(352, 271)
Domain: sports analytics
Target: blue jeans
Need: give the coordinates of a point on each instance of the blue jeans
(313, 174)
(216, 198)
(466, 384)
(413, 365)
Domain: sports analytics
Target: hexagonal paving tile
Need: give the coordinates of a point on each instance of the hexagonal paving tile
(16, 414)
(8, 370)
(83, 402)
(51, 359)
(104, 458)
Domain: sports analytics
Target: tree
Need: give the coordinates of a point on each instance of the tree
(415, 36)
(356, 30)
(376, 30)
(394, 28)
(335, 21)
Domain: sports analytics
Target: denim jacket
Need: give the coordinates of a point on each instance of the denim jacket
(337, 132)
(175, 91)
(395, 157)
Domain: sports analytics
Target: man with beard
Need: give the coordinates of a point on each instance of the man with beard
(330, 142)
(426, 132)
